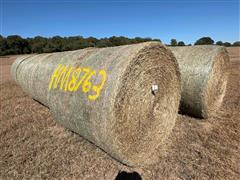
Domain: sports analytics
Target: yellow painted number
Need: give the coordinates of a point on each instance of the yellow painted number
(61, 76)
(86, 70)
(68, 77)
(65, 79)
(75, 76)
(87, 84)
(97, 88)
(55, 75)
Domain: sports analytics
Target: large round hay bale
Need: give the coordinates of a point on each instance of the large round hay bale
(114, 106)
(204, 74)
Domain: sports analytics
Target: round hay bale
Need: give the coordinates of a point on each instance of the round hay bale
(204, 74)
(127, 119)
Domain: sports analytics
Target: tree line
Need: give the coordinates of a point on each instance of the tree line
(205, 41)
(15, 44)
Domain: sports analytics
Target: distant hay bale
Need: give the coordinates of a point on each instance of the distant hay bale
(114, 106)
(204, 74)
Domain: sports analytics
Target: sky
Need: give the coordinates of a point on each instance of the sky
(184, 20)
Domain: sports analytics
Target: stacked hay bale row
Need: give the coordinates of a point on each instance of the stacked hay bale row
(125, 99)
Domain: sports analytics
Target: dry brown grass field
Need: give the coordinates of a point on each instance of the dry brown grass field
(32, 145)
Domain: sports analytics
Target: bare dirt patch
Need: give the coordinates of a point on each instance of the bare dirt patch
(5, 66)
(32, 145)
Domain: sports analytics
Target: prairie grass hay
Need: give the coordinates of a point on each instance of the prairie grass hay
(204, 75)
(113, 106)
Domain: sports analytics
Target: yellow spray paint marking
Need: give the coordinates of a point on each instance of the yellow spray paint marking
(86, 87)
(61, 76)
(71, 79)
(55, 76)
(97, 88)
(65, 79)
(86, 70)
(75, 76)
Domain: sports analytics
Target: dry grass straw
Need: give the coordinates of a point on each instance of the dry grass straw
(127, 121)
(204, 74)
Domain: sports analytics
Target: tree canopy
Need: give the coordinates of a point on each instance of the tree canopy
(204, 41)
(15, 44)
(237, 43)
(174, 42)
(181, 43)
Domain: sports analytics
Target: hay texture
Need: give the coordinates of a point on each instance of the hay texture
(204, 74)
(127, 120)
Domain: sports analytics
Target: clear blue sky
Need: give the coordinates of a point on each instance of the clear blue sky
(184, 20)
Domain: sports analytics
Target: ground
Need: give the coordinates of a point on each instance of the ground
(33, 145)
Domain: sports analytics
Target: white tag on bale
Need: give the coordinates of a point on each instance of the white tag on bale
(154, 89)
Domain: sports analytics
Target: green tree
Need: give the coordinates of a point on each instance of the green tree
(56, 44)
(92, 41)
(74, 42)
(237, 43)
(157, 40)
(220, 43)
(174, 42)
(3, 45)
(204, 41)
(121, 40)
(181, 43)
(227, 44)
(136, 40)
(17, 45)
(104, 42)
(37, 44)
